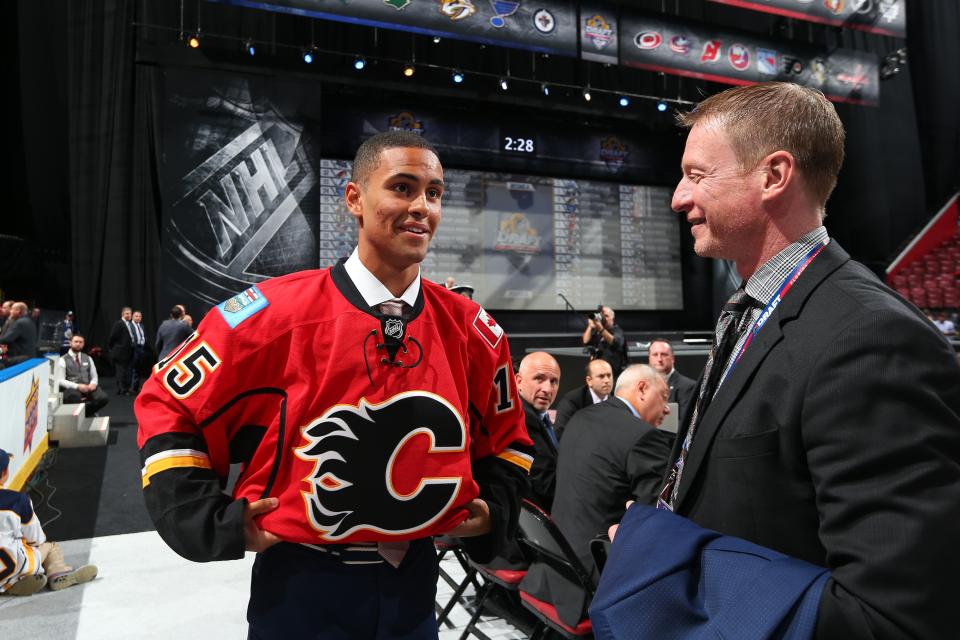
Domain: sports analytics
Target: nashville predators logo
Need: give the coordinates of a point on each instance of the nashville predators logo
(457, 9)
(381, 467)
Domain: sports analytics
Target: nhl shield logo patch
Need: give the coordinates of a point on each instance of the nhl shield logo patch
(393, 328)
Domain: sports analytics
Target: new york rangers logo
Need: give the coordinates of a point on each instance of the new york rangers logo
(387, 468)
(767, 61)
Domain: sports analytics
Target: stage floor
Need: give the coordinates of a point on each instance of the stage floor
(146, 591)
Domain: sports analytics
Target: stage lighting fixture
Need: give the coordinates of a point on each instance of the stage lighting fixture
(194, 41)
(408, 70)
(308, 56)
(504, 85)
(545, 89)
(661, 106)
(436, 39)
(248, 45)
(586, 95)
(624, 101)
(457, 77)
(359, 63)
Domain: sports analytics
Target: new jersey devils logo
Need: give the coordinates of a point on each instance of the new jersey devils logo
(357, 484)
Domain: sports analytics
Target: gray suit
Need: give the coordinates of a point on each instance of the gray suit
(170, 334)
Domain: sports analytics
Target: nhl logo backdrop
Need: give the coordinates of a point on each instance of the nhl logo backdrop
(238, 175)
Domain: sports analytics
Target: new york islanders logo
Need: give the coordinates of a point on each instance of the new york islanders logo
(380, 467)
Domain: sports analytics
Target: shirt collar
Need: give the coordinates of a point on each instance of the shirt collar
(629, 406)
(595, 397)
(766, 281)
(371, 289)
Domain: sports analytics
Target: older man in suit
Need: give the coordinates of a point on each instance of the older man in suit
(120, 344)
(827, 422)
(599, 384)
(538, 378)
(612, 452)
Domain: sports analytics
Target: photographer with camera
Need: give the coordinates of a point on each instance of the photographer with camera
(604, 339)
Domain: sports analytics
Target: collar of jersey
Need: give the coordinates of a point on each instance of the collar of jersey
(343, 282)
(371, 288)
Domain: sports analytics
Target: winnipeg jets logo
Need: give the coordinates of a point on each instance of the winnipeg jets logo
(382, 467)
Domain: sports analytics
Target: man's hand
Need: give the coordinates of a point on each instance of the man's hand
(476, 524)
(92, 386)
(612, 531)
(83, 388)
(256, 538)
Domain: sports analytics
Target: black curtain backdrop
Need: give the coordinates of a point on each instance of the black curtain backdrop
(87, 203)
(113, 196)
(933, 33)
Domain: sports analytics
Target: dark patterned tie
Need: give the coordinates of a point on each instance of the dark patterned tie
(550, 432)
(733, 321)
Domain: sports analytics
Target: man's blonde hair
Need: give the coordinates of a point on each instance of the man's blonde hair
(773, 116)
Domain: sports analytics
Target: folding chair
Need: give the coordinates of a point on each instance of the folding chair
(445, 545)
(541, 534)
(509, 579)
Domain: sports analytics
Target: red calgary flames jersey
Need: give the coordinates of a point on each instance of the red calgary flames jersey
(365, 426)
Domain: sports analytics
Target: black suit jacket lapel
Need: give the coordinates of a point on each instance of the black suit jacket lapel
(830, 259)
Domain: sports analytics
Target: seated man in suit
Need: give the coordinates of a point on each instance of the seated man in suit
(612, 452)
(76, 375)
(682, 388)
(538, 379)
(20, 335)
(599, 384)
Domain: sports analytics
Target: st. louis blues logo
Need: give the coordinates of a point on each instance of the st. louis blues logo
(503, 9)
(383, 468)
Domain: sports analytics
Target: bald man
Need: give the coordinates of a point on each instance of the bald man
(538, 379)
(612, 452)
(599, 384)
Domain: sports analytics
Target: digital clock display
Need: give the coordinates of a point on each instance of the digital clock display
(521, 144)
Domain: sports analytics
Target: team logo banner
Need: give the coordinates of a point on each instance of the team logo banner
(239, 184)
(886, 17)
(598, 34)
(548, 26)
(700, 51)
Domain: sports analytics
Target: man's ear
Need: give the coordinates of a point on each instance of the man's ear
(780, 172)
(353, 198)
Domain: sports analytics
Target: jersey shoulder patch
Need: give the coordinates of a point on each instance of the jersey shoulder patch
(487, 327)
(243, 306)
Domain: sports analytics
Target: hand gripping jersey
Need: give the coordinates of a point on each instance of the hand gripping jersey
(366, 427)
(20, 533)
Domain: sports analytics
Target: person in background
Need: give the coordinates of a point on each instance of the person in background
(599, 384)
(172, 331)
(76, 374)
(31, 562)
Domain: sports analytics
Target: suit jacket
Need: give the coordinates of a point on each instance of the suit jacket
(608, 456)
(119, 342)
(543, 472)
(683, 391)
(170, 334)
(836, 440)
(571, 402)
(21, 338)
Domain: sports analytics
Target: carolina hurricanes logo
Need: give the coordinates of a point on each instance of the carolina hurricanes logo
(365, 475)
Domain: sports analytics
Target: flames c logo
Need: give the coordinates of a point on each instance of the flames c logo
(355, 485)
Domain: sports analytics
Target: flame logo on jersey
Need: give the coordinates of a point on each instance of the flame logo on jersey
(359, 482)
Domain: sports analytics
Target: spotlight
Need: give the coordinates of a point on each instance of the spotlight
(545, 89)
(504, 85)
(586, 95)
(359, 63)
(436, 39)
(661, 106)
(308, 56)
(194, 41)
(457, 77)
(248, 45)
(624, 101)
(408, 70)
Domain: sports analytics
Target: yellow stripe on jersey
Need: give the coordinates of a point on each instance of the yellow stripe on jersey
(174, 459)
(31, 564)
(518, 458)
